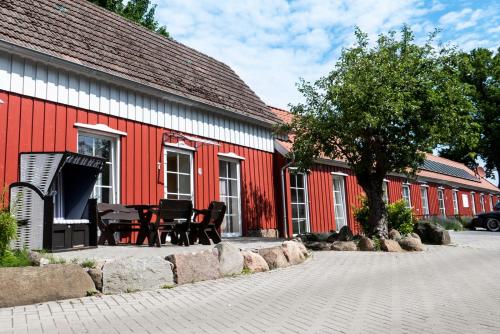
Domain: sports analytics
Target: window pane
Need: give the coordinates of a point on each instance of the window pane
(222, 187)
(172, 196)
(294, 195)
(105, 178)
(302, 211)
(85, 144)
(293, 180)
(103, 148)
(171, 182)
(105, 195)
(300, 196)
(184, 184)
(233, 188)
(234, 206)
(300, 181)
(295, 211)
(232, 170)
(184, 163)
(185, 197)
(222, 168)
(172, 162)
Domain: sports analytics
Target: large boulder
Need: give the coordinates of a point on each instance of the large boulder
(294, 252)
(134, 274)
(334, 236)
(30, 285)
(96, 275)
(318, 245)
(275, 257)
(345, 234)
(366, 244)
(230, 259)
(411, 244)
(344, 246)
(389, 245)
(254, 262)
(194, 267)
(394, 235)
(432, 233)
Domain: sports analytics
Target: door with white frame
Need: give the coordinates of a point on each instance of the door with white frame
(299, 201)
(106, 189)
(178, 174)
(425, 200)
(339, 201)
(442, 207)
(230, 193)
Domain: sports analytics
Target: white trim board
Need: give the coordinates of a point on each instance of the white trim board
(38, 80)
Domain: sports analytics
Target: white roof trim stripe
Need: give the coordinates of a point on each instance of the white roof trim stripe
(340, 174)
(181, 145)
(231, 155)
(100, 128)
(201, 140)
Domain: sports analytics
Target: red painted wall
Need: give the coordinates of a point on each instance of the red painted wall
(28, 124)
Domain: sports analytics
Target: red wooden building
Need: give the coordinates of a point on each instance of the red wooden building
(170, 121)
(324, 198)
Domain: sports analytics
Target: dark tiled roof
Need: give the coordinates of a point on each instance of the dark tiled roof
(85, 34)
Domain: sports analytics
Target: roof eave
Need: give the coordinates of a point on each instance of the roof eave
(132, 84)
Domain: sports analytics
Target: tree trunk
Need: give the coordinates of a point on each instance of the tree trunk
(377, 217)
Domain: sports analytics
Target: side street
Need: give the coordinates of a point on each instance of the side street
(445, 289)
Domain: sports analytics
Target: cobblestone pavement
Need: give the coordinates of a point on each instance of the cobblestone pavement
(446, 289)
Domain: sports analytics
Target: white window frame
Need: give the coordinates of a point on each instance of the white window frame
(385, 191)
(473, 202)
(191, 164)
(491, 202)
(407, 201)
(306, 200)
(238, 181)
(456, 209)
(425, 200)
(481, 202)
(442, 209)
(343, 204)
(115, 156)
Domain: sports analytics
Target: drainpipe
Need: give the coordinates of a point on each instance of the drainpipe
(283, 199)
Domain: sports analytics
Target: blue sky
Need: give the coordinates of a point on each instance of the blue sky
(272, 43)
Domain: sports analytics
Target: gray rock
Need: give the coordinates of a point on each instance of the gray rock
(366, 244)
(293, 252)
(389, 245)
(432, 233)
(394, 235)
(415, 235)
(274, 256)
(334, 236)
(194, 267)
(43, 262)
(96, 275)
(345, 234)
(318, 245)
(134, 274)
(230, 259)
(411, 244)
(30, 285)
(254, 262)
(34, 258)
(344, 246)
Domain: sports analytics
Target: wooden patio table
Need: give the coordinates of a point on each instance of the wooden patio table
(145, 212)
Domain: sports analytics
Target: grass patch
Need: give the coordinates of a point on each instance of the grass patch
(246, 271)
(88, 263)
(52, 259)
(168, 286)
(91, 292)
(15, 258)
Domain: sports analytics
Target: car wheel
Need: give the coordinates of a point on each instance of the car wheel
(493, 225)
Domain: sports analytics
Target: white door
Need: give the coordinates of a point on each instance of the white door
(230, 193)
(339, 201)
(442, 208)
(300, 209)
(425, 201)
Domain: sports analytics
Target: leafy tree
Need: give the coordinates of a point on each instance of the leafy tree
(481, 70)
(139, 11)
(380, 109)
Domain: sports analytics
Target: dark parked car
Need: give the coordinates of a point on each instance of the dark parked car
(488, 220)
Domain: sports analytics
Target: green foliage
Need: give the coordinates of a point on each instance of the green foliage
(88, 263)
(246, 271)
(376, 244)
(52, 259)
(480, 69)
(139, 11)
(8, 225)
(380, 109)
(466, 221)
(399, 217)
(454, 224)
(91, 292)
(15, 258)
(168, 286)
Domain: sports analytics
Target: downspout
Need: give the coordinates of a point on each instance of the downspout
(283, 199)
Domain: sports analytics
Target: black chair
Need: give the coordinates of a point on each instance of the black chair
(209, 227)
(114, 218)
(172, 217)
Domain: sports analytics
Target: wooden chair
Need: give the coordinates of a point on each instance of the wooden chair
(168, 214)
(112, 218)
(209, 226)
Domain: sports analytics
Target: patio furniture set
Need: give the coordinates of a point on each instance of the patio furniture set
(174, 218)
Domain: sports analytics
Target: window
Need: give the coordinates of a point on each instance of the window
(385, 191)
(106, 187)
(300, 214)
(473, 202)
(425, 200)
(406, 195)
(229, 186)
(481, 202)
(455, 202)
(491, 202)
(339, 201)
(442, 208)
(178, 174)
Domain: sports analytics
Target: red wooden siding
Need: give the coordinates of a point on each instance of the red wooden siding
(28, 124)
